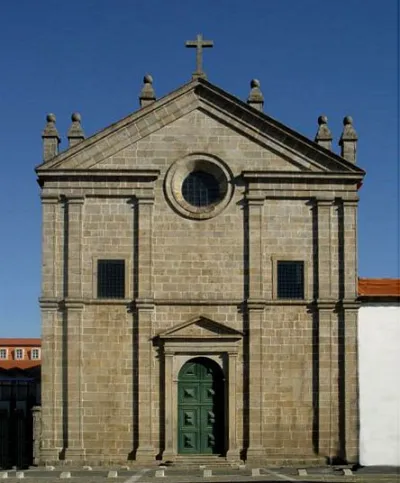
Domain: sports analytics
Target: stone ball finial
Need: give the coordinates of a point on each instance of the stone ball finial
(254, 83)
(148, 79)
(322, 120)
(76, 117)
(347, 120)
(50, 117)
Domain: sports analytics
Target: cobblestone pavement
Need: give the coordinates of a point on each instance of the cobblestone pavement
(197, 475)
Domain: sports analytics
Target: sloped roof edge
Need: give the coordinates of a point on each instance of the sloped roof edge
(236, 105)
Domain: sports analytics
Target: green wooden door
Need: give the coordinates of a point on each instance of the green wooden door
(200, 408)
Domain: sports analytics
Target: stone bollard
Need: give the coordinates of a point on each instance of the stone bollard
(255, 472)
(207, 473)
(3, 475)
(50, 468)
(65, 474)
(160, 474)
(19, 474)
(112, 474)
(88, 468)
(302, 472)
(347, 472)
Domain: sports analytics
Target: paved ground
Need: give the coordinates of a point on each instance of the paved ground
(196, 475)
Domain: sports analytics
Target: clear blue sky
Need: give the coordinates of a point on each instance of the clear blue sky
(312, 57)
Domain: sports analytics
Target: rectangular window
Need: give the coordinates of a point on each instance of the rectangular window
(3, 354)
(35, 354)
(111, 279)
(290, 280)
(19, 354)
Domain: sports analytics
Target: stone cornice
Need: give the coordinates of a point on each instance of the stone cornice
(75, 199)
(73, 304)
(109, 174)
(49, 198)
(299, 176)
(198, 301)
(350, 304)
(254, 199)
(252, 304)
(49, 303)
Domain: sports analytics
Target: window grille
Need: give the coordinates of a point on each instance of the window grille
(3, 354)
(200, 189)
(19, 353)
(290, 280)
(111, 279)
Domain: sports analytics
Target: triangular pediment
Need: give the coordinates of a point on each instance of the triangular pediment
(200, 327)
(100, 151)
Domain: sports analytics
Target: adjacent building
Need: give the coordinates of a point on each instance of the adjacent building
(20, 361)
(379, 362)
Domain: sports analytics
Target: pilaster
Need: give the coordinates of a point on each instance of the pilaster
(324, 208)
(72, 333)
(348, 318)
(349, 249)
(328, 409)
(233, 453)
(349, 390)
(50, 238)
(51, 387)
(255, 313)
(169, 450)
(145, 312)
(73, 263)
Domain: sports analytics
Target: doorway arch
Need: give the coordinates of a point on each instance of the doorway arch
(201, 407)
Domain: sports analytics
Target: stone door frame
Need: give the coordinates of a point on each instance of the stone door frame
(176, 353)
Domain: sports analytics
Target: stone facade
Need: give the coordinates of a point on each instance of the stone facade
(198, 282)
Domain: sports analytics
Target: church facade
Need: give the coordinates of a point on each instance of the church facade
(199, 285)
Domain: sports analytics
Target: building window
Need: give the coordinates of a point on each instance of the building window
(200, 189)
(111, 279)
(3, 354)
(290, 280)
(19, 353)
(35, 354)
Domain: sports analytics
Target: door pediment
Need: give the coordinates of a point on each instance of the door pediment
(200, 327)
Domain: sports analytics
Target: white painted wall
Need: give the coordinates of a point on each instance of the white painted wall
(379, 378)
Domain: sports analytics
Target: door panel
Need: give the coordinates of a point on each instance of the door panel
(201, 408)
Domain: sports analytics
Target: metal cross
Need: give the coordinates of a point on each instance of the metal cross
(199, 43)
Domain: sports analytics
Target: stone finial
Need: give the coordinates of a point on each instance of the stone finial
(75, 132)
(51, 138)
(147, 95)
(255, 99)
(324, 135)
(348, 140)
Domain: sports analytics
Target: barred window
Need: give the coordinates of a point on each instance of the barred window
(200, 189)
(290, 280)
(111, 279)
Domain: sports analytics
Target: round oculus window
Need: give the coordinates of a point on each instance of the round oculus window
(200, 188)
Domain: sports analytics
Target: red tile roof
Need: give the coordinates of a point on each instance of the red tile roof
(4, 342)
(379, 287)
